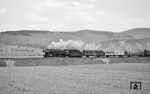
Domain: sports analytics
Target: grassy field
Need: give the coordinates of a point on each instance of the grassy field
(77, 79)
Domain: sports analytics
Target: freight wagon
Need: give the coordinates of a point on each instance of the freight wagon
(147, 52)
(114, 53)
(96, 53)
(135, 53)
(73, 53)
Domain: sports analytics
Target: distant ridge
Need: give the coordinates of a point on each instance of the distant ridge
(40, 39)
(138, 33)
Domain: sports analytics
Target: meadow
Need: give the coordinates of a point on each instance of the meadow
(75, 79)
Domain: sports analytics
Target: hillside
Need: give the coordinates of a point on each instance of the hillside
(138, 33)
(44, 38)
(91, 39)
(127, 44)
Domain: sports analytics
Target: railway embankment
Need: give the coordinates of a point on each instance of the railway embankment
(56, 61)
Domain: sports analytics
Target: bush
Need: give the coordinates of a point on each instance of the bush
(10, 63)
(2, 64)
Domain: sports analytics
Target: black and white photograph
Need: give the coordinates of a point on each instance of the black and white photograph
(74, 46)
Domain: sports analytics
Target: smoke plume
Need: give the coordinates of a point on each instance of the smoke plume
(73, 44)
(69, 44)
(106, 46)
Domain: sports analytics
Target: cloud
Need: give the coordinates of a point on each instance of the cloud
(49, 4)
(71, 15)
(35, 18)
(2, 11)
(60, 15)
(85, 14)
(50, 26)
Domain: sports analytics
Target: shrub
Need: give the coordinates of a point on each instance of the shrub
(2, 64)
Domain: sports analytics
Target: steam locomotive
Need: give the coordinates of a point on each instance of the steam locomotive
(93, 53)
(62, 53)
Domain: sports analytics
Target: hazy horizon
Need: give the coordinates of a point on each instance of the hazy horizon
(74, 15)
(74, 30)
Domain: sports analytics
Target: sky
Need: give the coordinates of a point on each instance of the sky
(73, 15)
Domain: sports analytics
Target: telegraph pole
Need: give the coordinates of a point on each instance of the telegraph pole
(9, 54)
(3, 47)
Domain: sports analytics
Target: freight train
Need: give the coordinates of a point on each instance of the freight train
(93, 53)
